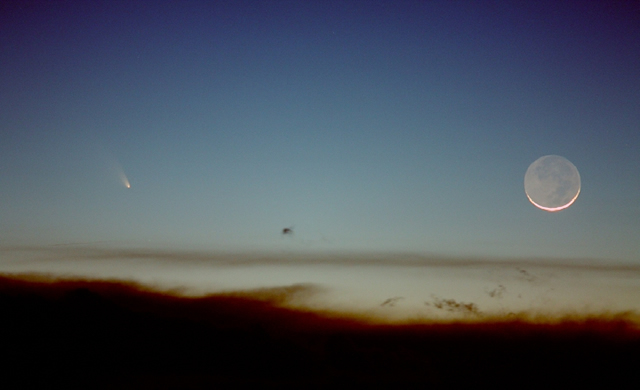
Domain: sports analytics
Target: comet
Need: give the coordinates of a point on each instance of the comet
(117, 169)
(124, 179)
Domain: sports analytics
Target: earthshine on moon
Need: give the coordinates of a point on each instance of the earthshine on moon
(552, 183)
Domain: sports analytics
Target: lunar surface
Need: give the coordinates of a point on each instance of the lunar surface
(552, 183)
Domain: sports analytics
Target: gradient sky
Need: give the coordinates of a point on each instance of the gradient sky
(366, 125)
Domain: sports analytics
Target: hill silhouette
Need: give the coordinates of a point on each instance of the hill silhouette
(117, 334)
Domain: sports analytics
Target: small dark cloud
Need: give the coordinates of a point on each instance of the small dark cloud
(391, 302)
(451, 305)
(497, 292)
(525, 275)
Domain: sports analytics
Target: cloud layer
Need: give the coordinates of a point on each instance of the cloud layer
(393, 287)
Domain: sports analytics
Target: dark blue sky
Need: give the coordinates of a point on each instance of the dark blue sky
(366, 125)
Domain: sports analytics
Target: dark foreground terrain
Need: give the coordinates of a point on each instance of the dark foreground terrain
(116, 335)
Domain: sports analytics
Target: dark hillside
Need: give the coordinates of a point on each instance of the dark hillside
(109, 334)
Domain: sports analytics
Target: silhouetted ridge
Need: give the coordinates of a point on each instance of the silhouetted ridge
(117, 334)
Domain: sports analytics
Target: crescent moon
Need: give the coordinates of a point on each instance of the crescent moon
(552, 183)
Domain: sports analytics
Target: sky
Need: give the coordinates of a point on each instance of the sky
(365, 126)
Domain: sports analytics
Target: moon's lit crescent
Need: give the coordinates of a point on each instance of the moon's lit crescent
(552, 183)
(554, 209)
